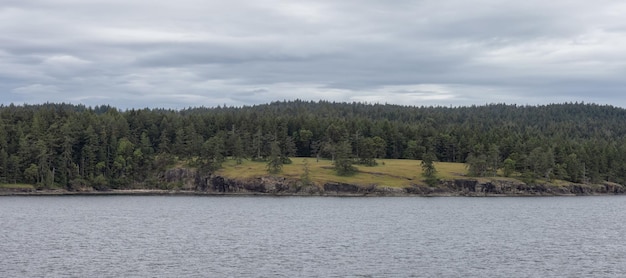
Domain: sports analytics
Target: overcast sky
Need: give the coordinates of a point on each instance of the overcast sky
(176, 54)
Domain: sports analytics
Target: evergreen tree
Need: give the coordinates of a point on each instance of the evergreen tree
(304, 137)
(493, 159)
(305, 178)
(4, 166)
(477, 165)
(238, 151)
(572, 141)
(429, 172)
(368, 152)
(212, 155)
(343, 159)
(509, 167)
(275, 160)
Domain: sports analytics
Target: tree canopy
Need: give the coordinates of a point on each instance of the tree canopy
(63, 145)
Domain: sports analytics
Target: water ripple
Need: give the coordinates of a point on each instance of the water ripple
(159, 236)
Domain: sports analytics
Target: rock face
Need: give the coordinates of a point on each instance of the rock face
(342, 187)
(188, 178)
(513, 187)
(273, 185)
(207, 182)
(192, 180)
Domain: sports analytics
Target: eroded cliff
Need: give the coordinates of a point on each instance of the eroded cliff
(192, 180)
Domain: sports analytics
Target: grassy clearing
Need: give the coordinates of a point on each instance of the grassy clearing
(389, 172)
(16, 186)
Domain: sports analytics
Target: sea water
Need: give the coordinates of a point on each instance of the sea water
(189, 236)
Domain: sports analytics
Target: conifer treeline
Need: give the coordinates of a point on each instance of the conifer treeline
(61, 145)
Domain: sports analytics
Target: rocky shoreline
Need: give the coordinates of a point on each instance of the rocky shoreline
(190, 182)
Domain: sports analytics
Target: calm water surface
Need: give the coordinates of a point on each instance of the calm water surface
(176, 236)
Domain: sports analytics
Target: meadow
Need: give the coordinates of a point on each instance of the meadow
(388, 172)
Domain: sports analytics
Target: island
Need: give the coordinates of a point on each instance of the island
(310, 148)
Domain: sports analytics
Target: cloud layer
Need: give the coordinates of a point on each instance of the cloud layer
(177, 54)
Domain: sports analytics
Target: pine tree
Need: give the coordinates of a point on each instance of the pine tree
(275, 160)
(429, 172)
(238, 152)
(509, 167)
(306, 173)
(343, 159)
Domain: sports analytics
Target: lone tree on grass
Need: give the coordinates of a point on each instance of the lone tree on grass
(343, 159)
(275, 161)
(429, 172)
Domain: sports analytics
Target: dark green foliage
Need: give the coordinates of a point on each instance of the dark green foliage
(305, 178)
(477, 165)
(100, 183)
(343, 159)
(303, 139)
(212, 154)
(367, 152)
(509, 167)
(238, 150)
(62, 146)
(428, 169)
(369, 149)
(275, 160)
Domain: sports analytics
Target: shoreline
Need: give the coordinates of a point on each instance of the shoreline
(156, 192)
(192, 184)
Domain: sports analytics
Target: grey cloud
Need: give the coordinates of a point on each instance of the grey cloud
(192, 52)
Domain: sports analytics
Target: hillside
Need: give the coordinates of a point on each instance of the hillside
(399, 173)
(71, 146)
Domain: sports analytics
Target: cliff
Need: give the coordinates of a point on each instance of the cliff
(192, 180)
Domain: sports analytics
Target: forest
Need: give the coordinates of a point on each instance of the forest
(57, 145)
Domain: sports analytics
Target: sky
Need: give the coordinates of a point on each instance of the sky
(189, 53)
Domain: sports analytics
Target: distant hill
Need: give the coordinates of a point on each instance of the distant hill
(69, 146)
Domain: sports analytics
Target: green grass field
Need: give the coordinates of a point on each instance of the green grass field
(389, 172)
